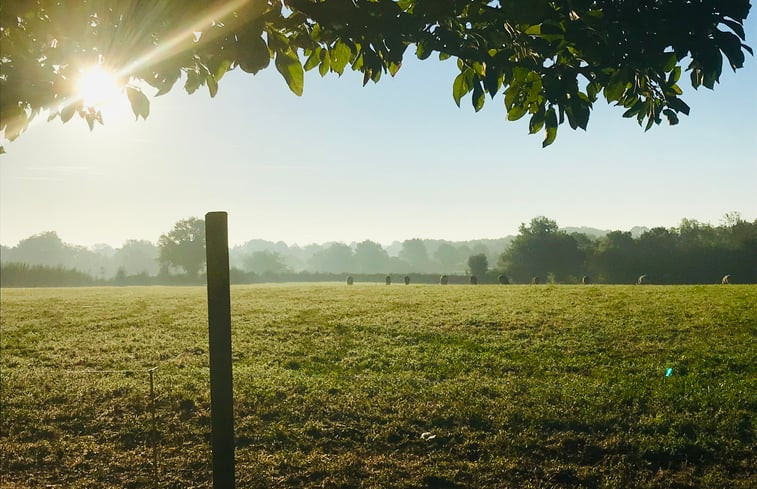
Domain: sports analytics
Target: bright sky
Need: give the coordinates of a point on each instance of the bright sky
(385, 162)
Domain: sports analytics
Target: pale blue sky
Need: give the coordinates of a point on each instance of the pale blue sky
(384, 162)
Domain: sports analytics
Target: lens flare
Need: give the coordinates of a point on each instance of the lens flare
(97, 87)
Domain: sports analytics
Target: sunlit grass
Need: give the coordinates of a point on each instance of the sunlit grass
(375, 386)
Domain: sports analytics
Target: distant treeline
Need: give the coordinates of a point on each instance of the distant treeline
(25, 275)
(693, 252)
(689, 254)
(136, 257)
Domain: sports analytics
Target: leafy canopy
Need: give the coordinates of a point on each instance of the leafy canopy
(550, 60)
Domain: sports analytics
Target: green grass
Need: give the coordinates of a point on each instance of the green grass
(521, 386)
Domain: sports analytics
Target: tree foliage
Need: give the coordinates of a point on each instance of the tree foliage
(337, 258)
(184, 246)
(415, 255)
(478, 265)
(542, 250)
(550, 60)
(370, 257)
(265, 262)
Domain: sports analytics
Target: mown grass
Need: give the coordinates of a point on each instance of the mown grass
(513, 386)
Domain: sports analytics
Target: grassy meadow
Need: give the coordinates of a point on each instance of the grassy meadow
(375, 386)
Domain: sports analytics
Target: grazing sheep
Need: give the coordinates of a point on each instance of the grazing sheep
(535, 280)
(350, 280)
(388, 280)
(473, 280)
(585, 280)
(726, 280)
(444, 280)
(503, 279)
(643, 280)
(407, 280)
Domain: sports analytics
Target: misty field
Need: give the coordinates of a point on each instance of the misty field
(376, 386)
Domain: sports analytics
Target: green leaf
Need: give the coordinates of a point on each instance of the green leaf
(168, 82)
(616, 86)
(492, 81)
(212, 85)
(678, 105)
(592, 89)
(313, 60)
(254, 55)
(290, 68)
(90, 118)
(735, 27)
(218, 66)
(323, 68)
(340, 56)
(422, 52)
(633, 111)
(675, 75)
(580, 112)
(140, 105)
(478, 96)
(516, 112)
(672, 117)
(730, 44)
(460, 87)
(697, 75)
(670, 62)
(537, 121)
(709, 79)
(193, 81)
(2, 150)
(67, 112)
(551, 130)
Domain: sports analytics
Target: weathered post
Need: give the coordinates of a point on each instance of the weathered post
(219, 328)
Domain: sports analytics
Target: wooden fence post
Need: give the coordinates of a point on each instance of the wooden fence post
(219, 346)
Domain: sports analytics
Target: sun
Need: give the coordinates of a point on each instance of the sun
(96, 87)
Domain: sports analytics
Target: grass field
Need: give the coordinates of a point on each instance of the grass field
(375, 386)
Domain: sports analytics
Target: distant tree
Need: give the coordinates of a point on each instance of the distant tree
(414, 252)
(264, 262)
(137, 256)
(448, 257)
(336, 258)
(370, 257)
(41, 249)
(184, 246)
(478, 265)
(541, 250)
(615, 259)
(120, 277)
(657, 253)
(586, 247)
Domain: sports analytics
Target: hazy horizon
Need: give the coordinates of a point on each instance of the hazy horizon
(385, 244)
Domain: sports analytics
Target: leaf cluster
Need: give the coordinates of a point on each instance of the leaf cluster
(549, 60)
